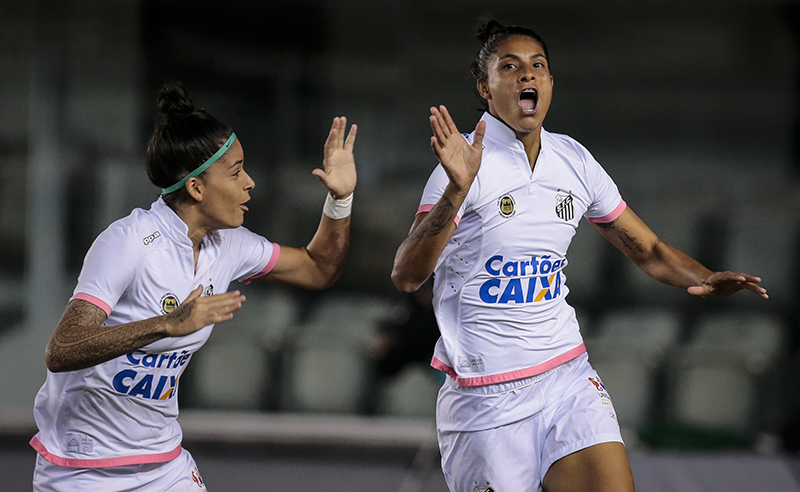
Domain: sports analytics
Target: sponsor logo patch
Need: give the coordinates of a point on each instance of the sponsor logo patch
(605, 398)
(197, 479)
(152, 237)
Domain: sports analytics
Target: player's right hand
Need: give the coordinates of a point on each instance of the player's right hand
(197, 312)
(461, 161)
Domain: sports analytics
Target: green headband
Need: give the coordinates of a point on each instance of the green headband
(196, 172)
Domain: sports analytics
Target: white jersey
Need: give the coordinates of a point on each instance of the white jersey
(124, 411)
(499, 290)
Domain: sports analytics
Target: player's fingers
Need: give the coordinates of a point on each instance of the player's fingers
(442, 116)
(756, 288)
(480, 131)
(320, 174)
(437, 149)
(448, 121)
(351, 138)
(330, 142)
(194, 294)
(437, 125)
(340, 126)
(696, 290)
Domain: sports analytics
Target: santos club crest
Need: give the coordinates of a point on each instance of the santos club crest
(564, 207)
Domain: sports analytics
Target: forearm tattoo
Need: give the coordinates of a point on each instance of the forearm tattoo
(631, 243)
(81, 341)
(437, 221)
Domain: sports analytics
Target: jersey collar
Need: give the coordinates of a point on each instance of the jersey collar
(177, 229)
(499, 132)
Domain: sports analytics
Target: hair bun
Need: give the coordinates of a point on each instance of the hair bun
(487, 29)
(174, 102)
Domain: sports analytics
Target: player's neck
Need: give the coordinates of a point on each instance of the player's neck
(532, 142)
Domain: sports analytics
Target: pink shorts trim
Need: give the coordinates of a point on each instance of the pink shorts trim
(424, 209)
(92, 300)
(509, 376)
(276, 253)
(104, 462)
(614, 215)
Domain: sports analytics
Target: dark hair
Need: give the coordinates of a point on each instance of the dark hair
(182, 141)
(491, 34)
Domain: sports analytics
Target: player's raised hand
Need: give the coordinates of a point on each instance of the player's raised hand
(461, 161)
(727, 283)
(197, 312)
(339, 173)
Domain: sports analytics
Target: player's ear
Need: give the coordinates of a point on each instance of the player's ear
(196, 188)
(483, 89)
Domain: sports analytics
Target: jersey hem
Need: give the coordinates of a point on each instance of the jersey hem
(512, 375)
(140, 459)
(276, 253)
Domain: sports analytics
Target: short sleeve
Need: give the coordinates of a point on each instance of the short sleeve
(255, 256)
(434, 189)
(109, 268)
(606, 202)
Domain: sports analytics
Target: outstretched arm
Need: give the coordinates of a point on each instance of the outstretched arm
(416, 257)
(80, 340)
(320, 263)
(670, 265)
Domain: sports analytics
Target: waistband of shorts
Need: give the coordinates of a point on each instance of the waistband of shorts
(511, 375)
(504, 387)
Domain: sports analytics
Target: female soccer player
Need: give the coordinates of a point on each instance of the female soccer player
(521, 408)
(152, 286)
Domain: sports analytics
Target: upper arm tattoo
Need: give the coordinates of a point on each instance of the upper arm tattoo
(437, 221)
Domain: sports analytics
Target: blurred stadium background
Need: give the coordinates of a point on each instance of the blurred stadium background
(692, 107)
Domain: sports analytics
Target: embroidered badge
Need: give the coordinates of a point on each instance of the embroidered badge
(507, 206)
(169, 303)
(564, 207)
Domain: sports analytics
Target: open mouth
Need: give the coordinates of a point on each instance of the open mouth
(528, 99)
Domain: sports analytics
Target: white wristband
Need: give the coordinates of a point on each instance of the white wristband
(338, 209)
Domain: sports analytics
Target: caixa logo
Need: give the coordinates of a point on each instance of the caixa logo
(142, 383)
(518, 282)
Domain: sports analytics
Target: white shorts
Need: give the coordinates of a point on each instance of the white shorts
(575, 412)
(178, 475)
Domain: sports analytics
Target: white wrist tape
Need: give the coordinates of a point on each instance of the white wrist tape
(338, 209)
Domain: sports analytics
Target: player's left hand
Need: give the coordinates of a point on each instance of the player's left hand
(726, 283)
(339, 173)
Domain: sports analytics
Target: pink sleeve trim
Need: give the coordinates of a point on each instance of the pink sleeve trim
(92, 300)
(276, 253)
(423, 209)
(140, 459)
(513, 375)
(614, 215)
